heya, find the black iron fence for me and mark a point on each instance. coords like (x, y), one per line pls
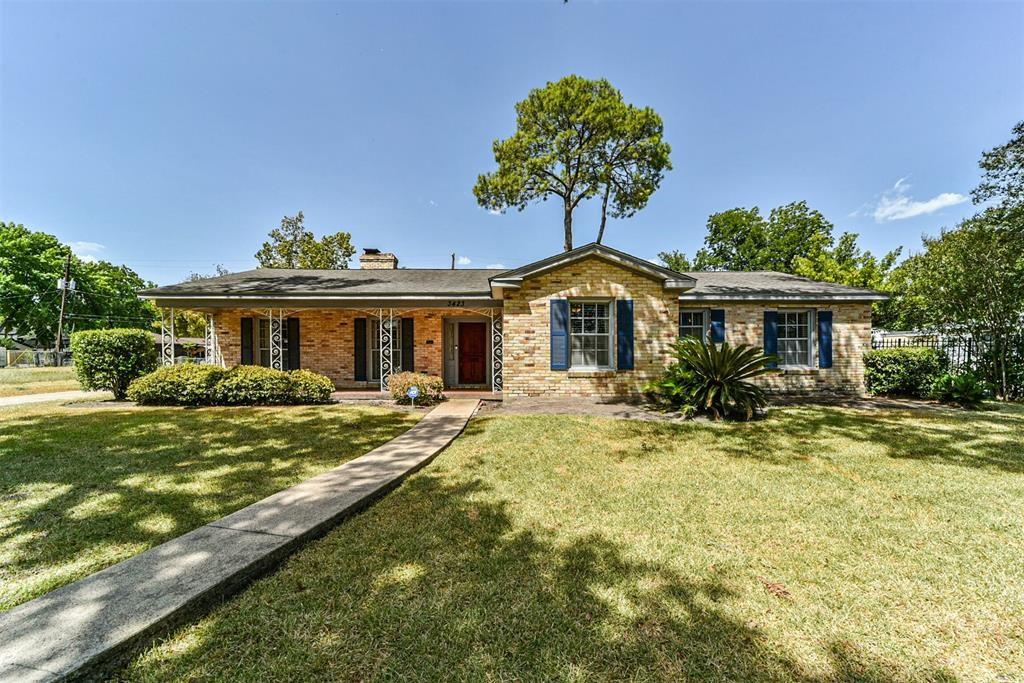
(963, 354)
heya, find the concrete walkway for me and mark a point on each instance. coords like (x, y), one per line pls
(52, 396)
(81, 628)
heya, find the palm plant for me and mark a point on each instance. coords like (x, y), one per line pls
(715, 378)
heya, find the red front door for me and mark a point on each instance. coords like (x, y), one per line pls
(472, 353)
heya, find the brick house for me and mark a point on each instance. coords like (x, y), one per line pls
(593, 321)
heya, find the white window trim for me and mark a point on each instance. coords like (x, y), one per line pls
(612, 335)
(705, 317)
(812, 339)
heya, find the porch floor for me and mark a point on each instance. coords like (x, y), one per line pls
(364, 395)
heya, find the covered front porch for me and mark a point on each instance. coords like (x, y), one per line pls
(357, 347)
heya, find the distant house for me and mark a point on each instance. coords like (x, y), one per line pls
(593, 321)
(184, 347)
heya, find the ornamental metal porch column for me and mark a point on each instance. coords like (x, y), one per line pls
(386, 330)
(497, 352)
(213, 356)
(166, 336)
(276, 350)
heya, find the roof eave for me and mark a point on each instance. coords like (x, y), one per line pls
(768, 296)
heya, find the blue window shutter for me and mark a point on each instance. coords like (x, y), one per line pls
(559, 334)
(624, 333)
(717, 325)
(824, 339)
(771, 336)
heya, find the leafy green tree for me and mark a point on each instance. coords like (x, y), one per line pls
(30, 264)
(1003, 173)
(793, 239)
(634, 159)
(847, 264)
(971, 280)
(742, 239)
(676, 260)
(576, 138)
(190, 323)
(292, 245)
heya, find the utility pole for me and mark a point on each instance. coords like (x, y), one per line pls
(64, 285)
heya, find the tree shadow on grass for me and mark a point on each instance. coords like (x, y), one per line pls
(80, 491)
(986, 440)
(439, 582)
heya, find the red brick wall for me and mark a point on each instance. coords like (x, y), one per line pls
(327, 343)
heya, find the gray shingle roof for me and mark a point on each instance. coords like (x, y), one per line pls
(356, 283)
(475, 282)
(767, 284)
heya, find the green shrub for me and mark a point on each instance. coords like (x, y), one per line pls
(431, 387)
(178, 385)
(249, 385)
(907, 371)
(111, 359)
(965, 390)
(713, 379)
(246, 385)
(310, 387)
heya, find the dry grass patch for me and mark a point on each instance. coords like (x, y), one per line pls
(24, 381)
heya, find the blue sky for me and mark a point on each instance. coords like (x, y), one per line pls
(173, 136)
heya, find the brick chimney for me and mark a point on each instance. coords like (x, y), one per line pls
(374, 259)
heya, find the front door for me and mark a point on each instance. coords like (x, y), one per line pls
(472, 353)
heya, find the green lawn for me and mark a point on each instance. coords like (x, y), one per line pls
(819, 544)
(82, 488)
(21, 381)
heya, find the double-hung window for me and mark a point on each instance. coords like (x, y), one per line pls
(794, 341)
(590, 334)
(373, 331)
(693, 323)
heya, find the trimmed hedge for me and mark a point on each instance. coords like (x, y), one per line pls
(111, 359)
(244, 385)
(909, 371)
(431, 387)
(310, 387)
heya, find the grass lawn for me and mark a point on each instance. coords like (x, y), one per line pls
(82, 488)
(820, 544)
(21, 381)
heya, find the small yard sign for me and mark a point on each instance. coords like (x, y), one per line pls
(413, 393)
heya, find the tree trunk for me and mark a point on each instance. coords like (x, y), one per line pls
(604, 212)
(568, 226)
(1002, 368)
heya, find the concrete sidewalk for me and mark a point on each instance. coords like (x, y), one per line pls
(52, 396)
(80, 628)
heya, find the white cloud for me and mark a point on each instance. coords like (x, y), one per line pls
(496, 265)
(85, 258)
(81, 248)
(431, 202)
(896, 205)
(494, 212)
(463, 261)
